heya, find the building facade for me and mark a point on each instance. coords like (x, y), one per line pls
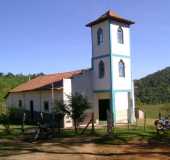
(107, 84)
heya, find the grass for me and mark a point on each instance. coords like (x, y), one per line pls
(123, 144)
(15, 131)
(152, 111)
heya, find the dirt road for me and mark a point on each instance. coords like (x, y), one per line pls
(81, 149)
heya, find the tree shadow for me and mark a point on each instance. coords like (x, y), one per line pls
(66, 145)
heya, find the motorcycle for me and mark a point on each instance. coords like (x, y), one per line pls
(162, 124)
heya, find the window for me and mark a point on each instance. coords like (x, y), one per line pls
(120, 35)
(32, 109)
(46, 106)
(101, 69)
(99, 36)
(121, 69)
(20, 103)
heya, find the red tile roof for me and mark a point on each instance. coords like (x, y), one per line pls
(42, 81)
(110, 15)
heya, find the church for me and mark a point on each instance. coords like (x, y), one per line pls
(107, 84)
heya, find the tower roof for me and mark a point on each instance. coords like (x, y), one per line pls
(112, 16)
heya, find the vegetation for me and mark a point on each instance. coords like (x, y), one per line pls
(9, 81)
(154, 88)
(152, 111)
(78, 105)
(60, 109)
(4, 120)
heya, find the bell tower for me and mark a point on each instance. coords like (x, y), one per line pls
(111, 67)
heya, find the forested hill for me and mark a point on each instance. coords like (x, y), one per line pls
(154, 88)
(9, 81)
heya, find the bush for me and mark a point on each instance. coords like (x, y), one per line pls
(4, 120)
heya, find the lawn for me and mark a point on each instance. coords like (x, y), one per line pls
(152, 111)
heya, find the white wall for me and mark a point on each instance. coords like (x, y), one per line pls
(83, 84)
(105, 47)
(121, 106)
(121, 83)
(37, 96)
(117, 48)
(67, 91)
(101, 83)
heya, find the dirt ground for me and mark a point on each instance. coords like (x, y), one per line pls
(81, 148)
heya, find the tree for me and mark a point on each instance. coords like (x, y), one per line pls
(60, 110)
(78, 104)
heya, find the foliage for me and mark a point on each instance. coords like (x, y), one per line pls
(4, 120)
(154, 88)
(60, 108)
(15, 115)
(78, 104)
(9, 81)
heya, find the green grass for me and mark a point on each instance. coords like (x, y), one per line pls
(15, 131)
(120, 135)
(152, 111)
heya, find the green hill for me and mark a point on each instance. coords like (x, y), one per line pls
(9, 81)
(154, 88)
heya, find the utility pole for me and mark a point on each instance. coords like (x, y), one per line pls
(52, 94)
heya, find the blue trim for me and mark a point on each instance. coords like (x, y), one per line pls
(122, 90)
(111, 80)
(102, 90)
(121, 56)
(92, 64)
(101, 56)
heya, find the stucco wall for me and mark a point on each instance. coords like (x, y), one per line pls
(83, 84)
(121, 83)
(121, 106)
(104, 48)
(38, 97)
(67, 91)
(101, 83)
(117, 48)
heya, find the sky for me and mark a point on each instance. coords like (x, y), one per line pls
(50, 35)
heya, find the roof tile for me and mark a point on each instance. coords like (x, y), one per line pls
(44, 80)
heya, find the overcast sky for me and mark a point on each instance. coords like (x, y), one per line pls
(50, 35)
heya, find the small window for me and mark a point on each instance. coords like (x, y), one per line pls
(20, 103)
(101, 69)
(99, 36)
(121, 68)
(46, 106)
(120, 35)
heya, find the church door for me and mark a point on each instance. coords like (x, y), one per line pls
(104, 105)
(32, 109)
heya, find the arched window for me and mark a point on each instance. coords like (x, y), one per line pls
(99, 36)
(121, 68)
(101, 69)
(120, 35)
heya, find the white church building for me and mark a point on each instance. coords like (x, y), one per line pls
(107, 84)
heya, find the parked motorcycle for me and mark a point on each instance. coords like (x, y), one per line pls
(162, 124)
